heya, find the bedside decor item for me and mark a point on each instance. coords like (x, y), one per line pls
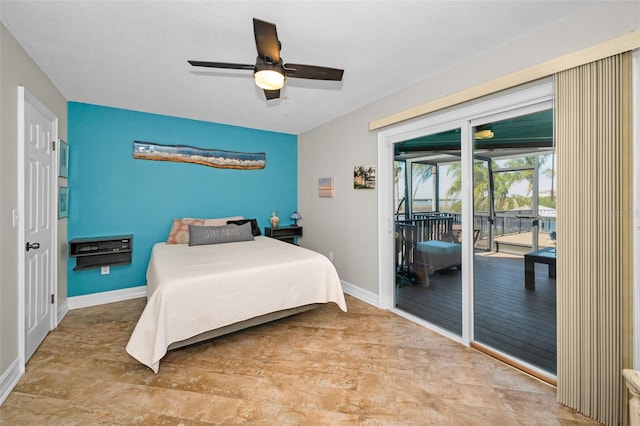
(325, 187)
(207, 157)
(63, 202)
(274, 219)
(295, 217)
(364, 177)
(63, 159)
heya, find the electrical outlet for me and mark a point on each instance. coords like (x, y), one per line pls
(104, 270)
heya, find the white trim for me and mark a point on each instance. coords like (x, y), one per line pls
(10, 378)
(62, 310)
(466, 162)
(54, 229)
(385, 223)
(21, 230)
(359, 293)
(636, 207)
(533, 97)
(95, 299)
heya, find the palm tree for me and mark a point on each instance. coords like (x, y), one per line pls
(420, 173)
(398, 169)
(502, 199)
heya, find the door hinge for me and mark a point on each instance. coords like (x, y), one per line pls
(53, 299)
(53, 145)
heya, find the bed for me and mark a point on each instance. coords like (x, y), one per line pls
(203, 291)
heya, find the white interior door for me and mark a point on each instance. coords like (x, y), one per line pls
(40, 130)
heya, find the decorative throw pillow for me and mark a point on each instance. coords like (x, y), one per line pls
(221, 221)
(179, 233)
(201, 235)
(255, 229)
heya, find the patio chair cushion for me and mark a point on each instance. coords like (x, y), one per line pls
(438, 247)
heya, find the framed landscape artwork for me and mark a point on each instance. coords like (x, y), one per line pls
(325, 187)
(63, 169)
(63, 202)
(364, 177)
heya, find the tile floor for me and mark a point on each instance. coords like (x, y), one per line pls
(323, 367)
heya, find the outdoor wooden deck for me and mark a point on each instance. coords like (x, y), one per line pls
(519, 322)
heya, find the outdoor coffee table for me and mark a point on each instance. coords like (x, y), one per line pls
(545, 255)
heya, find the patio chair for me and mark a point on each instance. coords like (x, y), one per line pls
(434, 255)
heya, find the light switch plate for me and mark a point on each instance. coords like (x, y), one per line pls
(15, 217)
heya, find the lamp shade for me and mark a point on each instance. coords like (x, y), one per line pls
(295, 216)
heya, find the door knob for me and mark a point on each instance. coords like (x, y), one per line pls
(34, 246)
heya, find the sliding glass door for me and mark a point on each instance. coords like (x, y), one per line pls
(428, 231)
(515, 309)
(473, 234)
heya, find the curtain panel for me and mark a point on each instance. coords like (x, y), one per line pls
(594, 236)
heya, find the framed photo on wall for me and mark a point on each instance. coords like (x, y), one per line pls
(326, 187)
(63, 162)
(364, 177)
(63, 202)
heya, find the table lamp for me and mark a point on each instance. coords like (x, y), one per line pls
(295, 217)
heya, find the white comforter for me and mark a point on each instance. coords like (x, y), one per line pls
(195, 289)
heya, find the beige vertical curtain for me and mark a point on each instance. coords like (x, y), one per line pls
(594, 272)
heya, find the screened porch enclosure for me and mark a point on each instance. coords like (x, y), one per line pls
(514, 200)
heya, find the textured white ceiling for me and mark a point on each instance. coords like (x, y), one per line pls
(133, 54)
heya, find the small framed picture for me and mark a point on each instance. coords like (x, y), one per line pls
(63, 168)
(63, 202)
(326, 187)
(364, 177)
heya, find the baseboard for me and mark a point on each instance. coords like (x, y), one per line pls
(10, 379)
(62, 311)
(359, 293)
(95, 299)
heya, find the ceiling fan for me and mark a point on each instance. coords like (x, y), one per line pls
(269, 71)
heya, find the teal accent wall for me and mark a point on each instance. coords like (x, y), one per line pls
(111, 193)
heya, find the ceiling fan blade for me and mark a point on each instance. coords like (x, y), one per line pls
(272, 94)
(226, 65)
(313, 72)
(267, 41)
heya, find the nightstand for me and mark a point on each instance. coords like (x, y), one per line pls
(284, 233)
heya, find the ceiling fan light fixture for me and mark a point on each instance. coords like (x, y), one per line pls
(269, 78)
(269, 72)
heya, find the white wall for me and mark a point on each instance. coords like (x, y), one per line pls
(18, 69)
(347, 225)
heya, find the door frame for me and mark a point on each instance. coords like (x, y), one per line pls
(25, 97)
(465, 117)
